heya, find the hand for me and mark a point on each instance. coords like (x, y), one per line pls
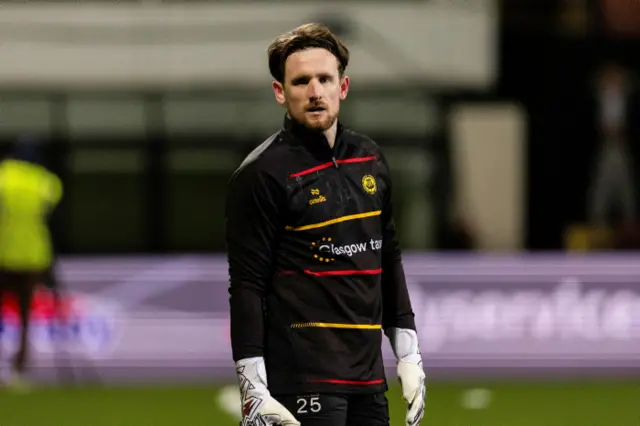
(259, 408)
(270, 412)
(410, 372)
(414, 390)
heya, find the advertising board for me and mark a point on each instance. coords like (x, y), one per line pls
(133, 318)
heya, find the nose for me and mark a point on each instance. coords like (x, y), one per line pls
(315, 89)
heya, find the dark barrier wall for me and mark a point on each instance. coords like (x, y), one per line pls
(128, 196)
(147, 172)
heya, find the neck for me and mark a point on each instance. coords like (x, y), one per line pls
(330, 134)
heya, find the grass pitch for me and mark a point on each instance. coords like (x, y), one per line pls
(448, 404)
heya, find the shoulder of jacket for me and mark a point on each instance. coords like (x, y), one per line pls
(365, 142)
(263, 158)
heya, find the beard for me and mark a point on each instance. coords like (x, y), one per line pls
(316, 122)
(321, 123)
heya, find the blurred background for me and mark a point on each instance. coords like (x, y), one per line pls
(512, 128)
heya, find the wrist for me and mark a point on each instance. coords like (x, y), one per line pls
(404, 343)
(252, 375)
(412, 359)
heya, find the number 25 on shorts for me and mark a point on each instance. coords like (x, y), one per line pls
(308, 404)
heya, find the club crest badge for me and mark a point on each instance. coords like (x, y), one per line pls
(369, 184)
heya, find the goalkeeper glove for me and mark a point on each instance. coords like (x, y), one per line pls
(259, 408)
(410, 372)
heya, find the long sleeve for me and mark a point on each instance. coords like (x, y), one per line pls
(252, 227)
(397, 311)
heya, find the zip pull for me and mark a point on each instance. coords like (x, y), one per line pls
(335, 163)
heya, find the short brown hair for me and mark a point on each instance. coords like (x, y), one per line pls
(307, 36)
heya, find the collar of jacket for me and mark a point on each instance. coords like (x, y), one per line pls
(315, 141)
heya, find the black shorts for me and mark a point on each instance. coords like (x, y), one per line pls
(338, 409)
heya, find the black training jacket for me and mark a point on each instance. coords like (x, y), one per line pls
(314, 263)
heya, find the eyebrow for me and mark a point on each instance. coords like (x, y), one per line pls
(304, 77)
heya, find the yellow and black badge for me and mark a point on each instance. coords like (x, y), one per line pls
(369, 184)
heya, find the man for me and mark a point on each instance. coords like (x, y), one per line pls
(613, 188)
(315, 267)
(28, 193)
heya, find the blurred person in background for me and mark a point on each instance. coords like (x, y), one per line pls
(619, 18)
(28, 194)
(314, 262)
(613, 190)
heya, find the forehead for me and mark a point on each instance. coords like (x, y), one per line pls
(311, 62)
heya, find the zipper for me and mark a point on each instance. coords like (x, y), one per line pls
(343, 187)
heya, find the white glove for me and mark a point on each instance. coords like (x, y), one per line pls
(259, 408)
(410, 372)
